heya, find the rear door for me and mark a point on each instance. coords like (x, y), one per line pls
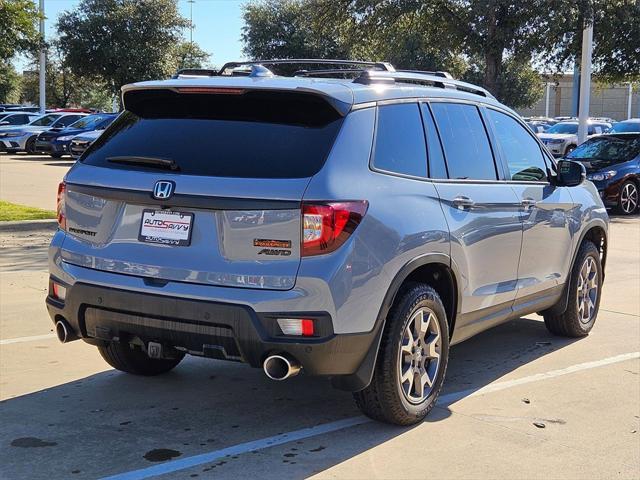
(545, 211)
(201, 188)
(483, 217)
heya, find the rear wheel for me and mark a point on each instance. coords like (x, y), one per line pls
(131, 359)
(55, 155)
(585, 287)
(628, 202)
(412, 360)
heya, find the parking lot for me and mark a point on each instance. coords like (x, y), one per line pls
(516, 398)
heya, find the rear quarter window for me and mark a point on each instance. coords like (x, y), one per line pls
(250, 135)
(400, 145)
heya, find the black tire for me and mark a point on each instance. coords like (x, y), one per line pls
(30, 146)
(55, 155)
(629, 204)
(384, 398)
(130, 359)
(569, 323)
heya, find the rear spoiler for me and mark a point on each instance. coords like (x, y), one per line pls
(337, 96)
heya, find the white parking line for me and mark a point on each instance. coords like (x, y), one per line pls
(196, 460)
(27, 339)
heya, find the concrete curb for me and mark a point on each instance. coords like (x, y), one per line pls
(29, 225)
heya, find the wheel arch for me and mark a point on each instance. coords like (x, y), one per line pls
(596, 232)
(435, 269)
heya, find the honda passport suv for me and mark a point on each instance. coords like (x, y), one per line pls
(351, 222)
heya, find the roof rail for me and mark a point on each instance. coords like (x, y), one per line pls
(438, 73)
(382, 66)
(368, 77)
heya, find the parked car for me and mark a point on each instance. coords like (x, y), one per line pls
(537, 126)
(57, 141)
(15, 119)
(24, 138)
(23, 108)
(332, 227)
(4, 106)
(562, 138)
(81, 142)
(613, 165)
(627, 126)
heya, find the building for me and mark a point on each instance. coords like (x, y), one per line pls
(606, 101)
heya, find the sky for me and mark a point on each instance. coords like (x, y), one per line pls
(218, 26)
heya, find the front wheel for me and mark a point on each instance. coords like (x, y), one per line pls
(30, 146)
(412, 359)
(585, 288)
(55, 155)
(131, 359)
(628, 202)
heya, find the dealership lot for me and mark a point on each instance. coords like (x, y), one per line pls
(517, 400)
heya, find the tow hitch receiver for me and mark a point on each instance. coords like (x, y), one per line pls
(154, 350)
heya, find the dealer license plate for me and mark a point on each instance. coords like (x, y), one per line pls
(166, 227)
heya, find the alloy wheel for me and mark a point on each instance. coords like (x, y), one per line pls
(419, 354)
(587, 290)
(629, 198)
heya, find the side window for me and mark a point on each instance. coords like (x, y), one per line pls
(522, 152)
(437, 167)
(16, 119)
(399, 143)
(465, 141)
(67, 120)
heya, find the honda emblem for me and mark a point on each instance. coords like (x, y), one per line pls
(163, 189)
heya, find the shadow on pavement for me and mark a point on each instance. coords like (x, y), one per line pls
(106, 423)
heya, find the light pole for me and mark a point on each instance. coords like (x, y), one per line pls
(546, 103)
(585, 81)
(191, 2)
(43, 59)
(629, 100)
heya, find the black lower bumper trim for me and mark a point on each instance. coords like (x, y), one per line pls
(219, 330)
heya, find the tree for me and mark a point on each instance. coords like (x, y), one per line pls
(9, 83)
(189, 55)
(121, 41)
(490, 42)
(18, 24)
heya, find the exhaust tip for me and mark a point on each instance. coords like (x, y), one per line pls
(64, 332)
(278, 367)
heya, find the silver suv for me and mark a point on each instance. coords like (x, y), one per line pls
(352, 228)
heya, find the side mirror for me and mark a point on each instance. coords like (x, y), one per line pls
(571, 174)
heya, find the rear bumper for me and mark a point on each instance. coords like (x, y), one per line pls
(212, 329)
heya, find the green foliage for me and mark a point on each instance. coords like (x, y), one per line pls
(9, 83)
(491, 42)
(121, 41)
(19, 27)
(189, 55)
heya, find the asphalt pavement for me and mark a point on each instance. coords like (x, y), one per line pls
(518, 402)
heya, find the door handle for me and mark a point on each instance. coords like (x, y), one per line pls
(528, 203)
(463, 202)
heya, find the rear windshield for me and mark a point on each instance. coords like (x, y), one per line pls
(249, 134)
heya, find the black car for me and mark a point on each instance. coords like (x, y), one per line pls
(57, 141)
(613, 165)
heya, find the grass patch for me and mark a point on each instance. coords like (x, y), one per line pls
(10, 212)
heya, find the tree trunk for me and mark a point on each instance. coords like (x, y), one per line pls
(493, 52)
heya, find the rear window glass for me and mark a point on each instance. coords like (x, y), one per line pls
(465, 141)
(248, 135)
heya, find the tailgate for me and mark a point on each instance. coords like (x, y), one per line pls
(200, 188)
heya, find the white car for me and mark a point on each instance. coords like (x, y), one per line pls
(562, 138)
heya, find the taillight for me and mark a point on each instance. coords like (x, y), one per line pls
(327, 225)
(62, 220)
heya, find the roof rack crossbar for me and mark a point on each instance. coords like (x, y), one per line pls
(327, 71)
(382, 66)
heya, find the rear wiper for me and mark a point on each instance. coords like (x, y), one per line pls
(153, 162)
